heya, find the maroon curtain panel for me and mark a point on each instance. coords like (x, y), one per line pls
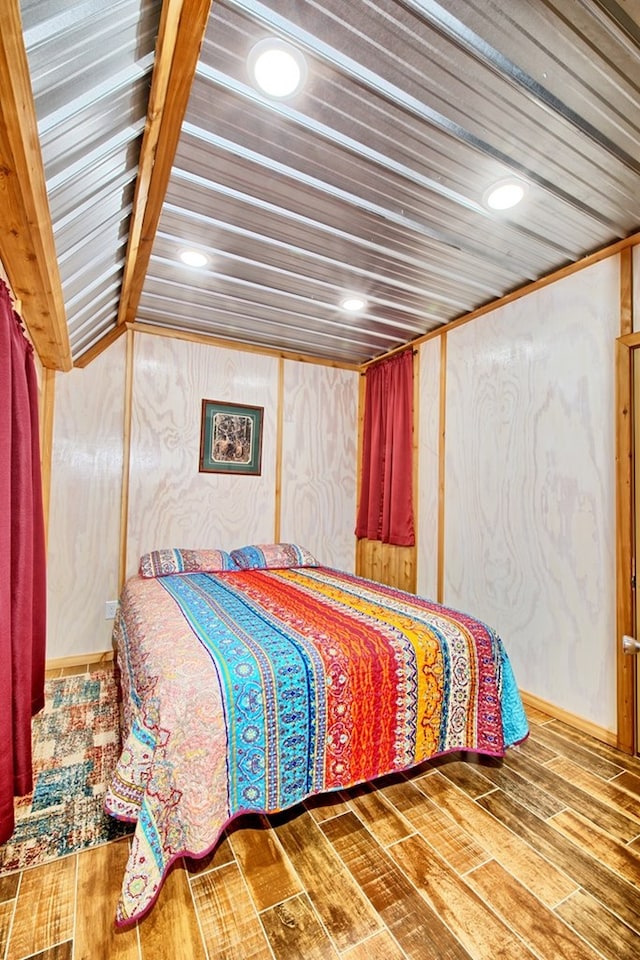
(22, 562)
(385, 511)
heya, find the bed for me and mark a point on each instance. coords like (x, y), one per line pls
(254, 680)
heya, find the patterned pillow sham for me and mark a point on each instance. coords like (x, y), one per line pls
(270, 556)
(162, 563)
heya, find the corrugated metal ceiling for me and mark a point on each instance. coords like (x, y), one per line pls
(370, 180)
(90, 65)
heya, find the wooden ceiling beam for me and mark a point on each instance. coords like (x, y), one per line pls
(27, 247)
(182, 28)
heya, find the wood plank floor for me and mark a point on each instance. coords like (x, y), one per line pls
(534, 856)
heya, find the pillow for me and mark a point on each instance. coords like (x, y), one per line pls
(270, 556)
(161, 563)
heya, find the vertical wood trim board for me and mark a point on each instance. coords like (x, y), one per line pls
(625, 665)
(126, 458)
(441, 468)
(47, 400)
(626, 291)
(361, 392)
(279, 430)
(415, 459)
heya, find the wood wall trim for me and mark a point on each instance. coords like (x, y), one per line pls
(441, 466)
(279, 434)
(415, 460)
(625, 509)
(27, 246)
(362, 387)
(625, 665)
(626, 292)
(211, 341)
(47, 402)
(579, 723)
(181, 32)
(126, 459)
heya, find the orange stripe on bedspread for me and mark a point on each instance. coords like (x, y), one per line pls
(428, 655)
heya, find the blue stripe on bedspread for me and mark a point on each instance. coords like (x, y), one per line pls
(246, 650)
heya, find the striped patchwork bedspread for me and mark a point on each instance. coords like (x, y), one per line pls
(251, 690)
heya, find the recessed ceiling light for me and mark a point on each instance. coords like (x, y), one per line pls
(504, 194)
(278, 68)
(193, 258)
(353, 304)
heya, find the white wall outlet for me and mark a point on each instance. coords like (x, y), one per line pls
(110, 608)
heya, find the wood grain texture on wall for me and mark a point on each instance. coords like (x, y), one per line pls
(84, 513)
(530, 512)
(319, 461)
(171, 504)
(428, 450)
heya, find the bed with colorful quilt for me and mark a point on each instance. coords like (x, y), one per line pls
(256, 679)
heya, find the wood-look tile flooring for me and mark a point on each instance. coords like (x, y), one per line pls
(534, 856)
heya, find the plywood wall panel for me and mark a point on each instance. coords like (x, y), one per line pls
(529, 516)
(84, 519)
(171, 504)
(428, 461)
(319, 446)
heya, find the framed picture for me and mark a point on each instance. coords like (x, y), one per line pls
(230, 438)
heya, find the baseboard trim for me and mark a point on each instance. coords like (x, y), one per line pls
(585, 726)
(103, 656)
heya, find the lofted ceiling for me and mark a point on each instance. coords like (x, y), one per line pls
(130, 130)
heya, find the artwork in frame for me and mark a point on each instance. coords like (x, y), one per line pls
(230, 438)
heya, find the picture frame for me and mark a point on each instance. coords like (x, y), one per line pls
(231, 438)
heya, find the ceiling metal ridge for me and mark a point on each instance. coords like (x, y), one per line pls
(58, 23)
(111, 289)
(359, 149)
(138, 326)
(354, 270)
(330, 134)
(608, 13)
(235, 258)
(322, 186)
(107, 148)
(358, 203)
(387, 252)
(122, 80)
(288, 295)
(344, 64)
(76, 213)
(286, 330)
(448, 24)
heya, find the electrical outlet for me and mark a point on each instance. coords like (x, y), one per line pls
(110, 608)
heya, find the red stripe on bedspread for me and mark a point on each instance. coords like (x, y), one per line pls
(361, 690)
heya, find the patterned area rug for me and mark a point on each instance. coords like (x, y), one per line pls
(76, 743)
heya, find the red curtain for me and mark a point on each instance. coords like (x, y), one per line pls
(22, 562)
(385, 511)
